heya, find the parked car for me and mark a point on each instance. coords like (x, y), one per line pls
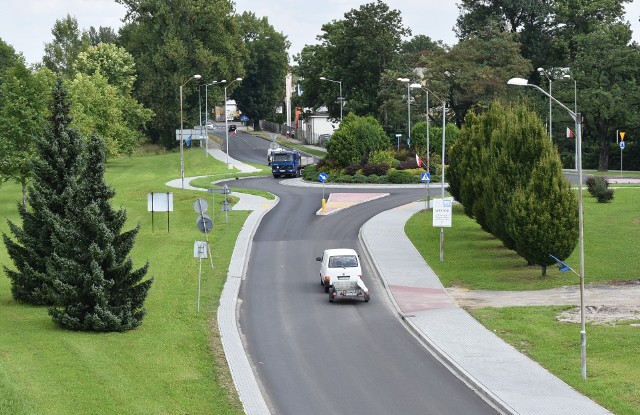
(341, 274)
(232, 128)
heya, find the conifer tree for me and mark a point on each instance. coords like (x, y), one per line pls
(97, 287)
(55, 172)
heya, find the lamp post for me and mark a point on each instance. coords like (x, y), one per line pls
(427, 90)
(226, 119)
(340, 99)
(181, 130)
(575, 105)
(406, 80)
(546, 74)
(444, 120)
(577, 118)
(206, 111)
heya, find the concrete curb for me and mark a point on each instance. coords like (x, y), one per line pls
(242, 373)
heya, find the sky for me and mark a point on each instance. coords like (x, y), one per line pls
(27, 24)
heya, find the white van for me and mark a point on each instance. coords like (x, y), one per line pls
(341, 274)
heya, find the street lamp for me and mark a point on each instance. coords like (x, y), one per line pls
(181, 130)
(427, 90)
(226, 119)
(340, 99)
(575, 105)
(206, 111)
(546, 74)
(406, 80)
(577, 118)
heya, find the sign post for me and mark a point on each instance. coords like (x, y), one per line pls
(323, 178)
(426, 178)
(621, 148)
(442, 213)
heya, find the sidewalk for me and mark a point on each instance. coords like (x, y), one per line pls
(505, 376)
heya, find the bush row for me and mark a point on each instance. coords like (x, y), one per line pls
(370, 173)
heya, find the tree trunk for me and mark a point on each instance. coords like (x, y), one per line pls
(603, 160)
(544, 270)
(256, 125)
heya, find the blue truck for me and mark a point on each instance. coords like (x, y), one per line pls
(288, 163)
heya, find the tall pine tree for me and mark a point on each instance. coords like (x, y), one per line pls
(53, 189)
(98, 289)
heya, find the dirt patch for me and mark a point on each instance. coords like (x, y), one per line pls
(604, 303)
(609, 315)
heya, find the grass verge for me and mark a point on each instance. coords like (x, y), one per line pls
(173, 363)
(476, 260)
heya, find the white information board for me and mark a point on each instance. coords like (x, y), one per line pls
(442, 212)
(159, 202)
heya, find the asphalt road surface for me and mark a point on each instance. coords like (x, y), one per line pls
(348, 357)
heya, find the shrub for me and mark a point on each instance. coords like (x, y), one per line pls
(310, 173)
(404, 154)
(407, 164)
(598, 187)
(352, 169)
(359, 178)
(373, 179)
(402, 176)
(378, 169)
(382, 157)
(343, 178)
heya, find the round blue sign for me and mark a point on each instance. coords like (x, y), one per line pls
(621, 145)
(322, 177)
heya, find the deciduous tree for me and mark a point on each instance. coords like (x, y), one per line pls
(24, 99)
(262, 87)
(356, 138)
(171, 42)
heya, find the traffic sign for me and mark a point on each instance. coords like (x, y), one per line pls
(200, 206)
(425, 177)
(622, 133)
(621, 145)
(205, 224)
(323, 177)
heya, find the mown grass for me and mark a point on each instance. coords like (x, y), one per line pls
(475, 260)
(173, 363)
(613, 378)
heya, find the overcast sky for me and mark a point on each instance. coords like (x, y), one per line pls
(27, 24)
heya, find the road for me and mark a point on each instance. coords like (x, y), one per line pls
(315, 357)
(242, 146)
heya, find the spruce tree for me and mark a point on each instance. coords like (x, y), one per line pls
(56, 167)
(97, 287)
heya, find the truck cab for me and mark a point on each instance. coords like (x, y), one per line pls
(286, 163)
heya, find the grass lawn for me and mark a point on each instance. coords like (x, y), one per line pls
(173, 363)
(475, 260)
